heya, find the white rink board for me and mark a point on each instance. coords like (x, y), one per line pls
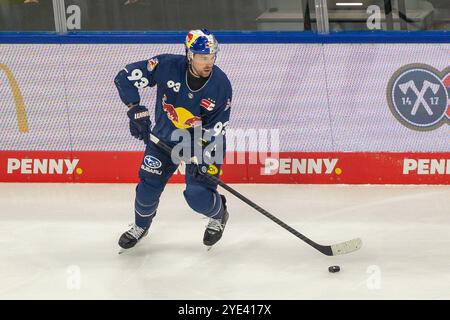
(319, 97)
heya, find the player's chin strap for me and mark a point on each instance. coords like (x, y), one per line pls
(329, 250)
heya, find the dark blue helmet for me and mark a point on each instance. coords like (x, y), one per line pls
(201, 42)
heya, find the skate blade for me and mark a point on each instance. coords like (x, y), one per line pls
(122, 250)
(208, 248)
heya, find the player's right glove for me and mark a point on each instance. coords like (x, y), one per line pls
(139, 122)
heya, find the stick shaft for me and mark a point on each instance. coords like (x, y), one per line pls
(324, 249)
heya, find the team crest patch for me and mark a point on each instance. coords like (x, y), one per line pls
(418, 96)
(208, 104)
(152, 63)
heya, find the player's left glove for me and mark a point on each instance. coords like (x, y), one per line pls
(195, 168)
(202, 169)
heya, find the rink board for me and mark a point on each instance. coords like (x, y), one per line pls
(286, 167)
(58, 101)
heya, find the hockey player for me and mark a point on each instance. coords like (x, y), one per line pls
(192, 93)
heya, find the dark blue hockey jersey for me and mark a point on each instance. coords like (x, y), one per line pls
(177, 106)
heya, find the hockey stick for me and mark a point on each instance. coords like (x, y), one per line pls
(331, 250)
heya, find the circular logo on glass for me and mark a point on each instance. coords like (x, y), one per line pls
(418, 96)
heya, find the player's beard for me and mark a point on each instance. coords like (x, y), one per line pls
(204, 72)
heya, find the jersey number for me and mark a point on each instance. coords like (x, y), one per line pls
(219, 128)
(139, 81)
(173, 85)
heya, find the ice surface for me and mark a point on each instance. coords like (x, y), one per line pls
(59, 241)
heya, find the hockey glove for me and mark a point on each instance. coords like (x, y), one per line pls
(139, 122)
(201, 169)
(195, 168)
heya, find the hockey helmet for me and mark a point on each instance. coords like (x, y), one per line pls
(201, 42)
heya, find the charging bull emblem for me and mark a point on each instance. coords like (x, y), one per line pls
(180, 117)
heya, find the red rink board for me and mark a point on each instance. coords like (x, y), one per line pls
(288, 167)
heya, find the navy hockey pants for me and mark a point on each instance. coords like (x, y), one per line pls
(156, 169)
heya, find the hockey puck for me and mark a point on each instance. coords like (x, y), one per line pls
(334, 269)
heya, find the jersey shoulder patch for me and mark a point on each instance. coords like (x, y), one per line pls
(166, 61)
(208, 104)
(152, 63)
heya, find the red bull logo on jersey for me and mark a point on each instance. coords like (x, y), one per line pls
(180, 117)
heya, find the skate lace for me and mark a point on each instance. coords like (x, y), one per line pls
(136, 231)
(215, 224)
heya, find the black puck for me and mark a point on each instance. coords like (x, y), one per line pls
(334, 269)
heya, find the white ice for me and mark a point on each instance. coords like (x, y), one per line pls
(59, 241)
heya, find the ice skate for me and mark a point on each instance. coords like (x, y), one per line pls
(131, 237)
(215, 227)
